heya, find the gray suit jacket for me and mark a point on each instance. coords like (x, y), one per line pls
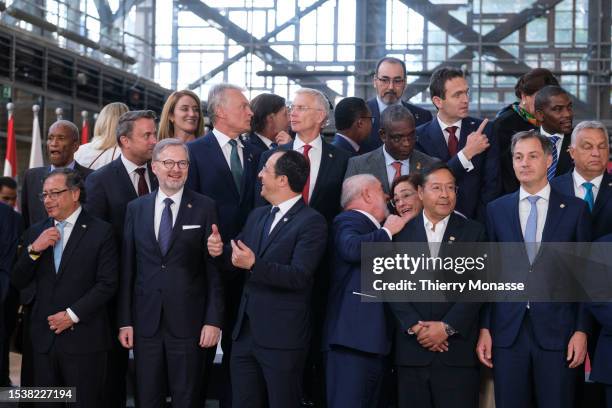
(374, 163)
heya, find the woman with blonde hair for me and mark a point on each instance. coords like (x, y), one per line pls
(103, 147)
(182, 117)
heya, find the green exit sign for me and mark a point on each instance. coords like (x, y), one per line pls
(6, 92)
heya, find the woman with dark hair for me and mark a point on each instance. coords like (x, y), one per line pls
(517, 117)
(269, 122)
(405, 199)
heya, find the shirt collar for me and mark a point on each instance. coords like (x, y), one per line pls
(69, 166)
(443, 125)
(545, 133)
(350, 141)
(176, 197)
(578, 179)
(543, 193)
(264, 139)
(389, 159)
(317, 143)
(129, 165)
(224, 139)
(286, 205)
(429, 225)
(370, 217)
(72, 219)
(382, 106)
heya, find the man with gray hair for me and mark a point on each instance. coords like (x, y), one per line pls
(396, 157)
(590, 181)
(225, 169)
(357, 335)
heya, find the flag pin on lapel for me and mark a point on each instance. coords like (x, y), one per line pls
(189, 205)
(451, 238)
(83, 225)
(418, 165)
(285, 220)
(331, 155)
(562, 205)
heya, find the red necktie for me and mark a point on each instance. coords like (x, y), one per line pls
(143, 188)
(306, 189)
(453, 143)
(398, 169)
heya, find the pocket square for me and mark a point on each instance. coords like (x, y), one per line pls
(188, 227)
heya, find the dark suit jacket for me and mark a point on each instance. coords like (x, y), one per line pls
(602, 210)
(325, 196)
(109, 190)
(277, 292)
(210, 175)
(567, 220)
(9, 236)
(85, 283)
(183, 285)
(421, 116)
(462, 317)
(341, 143)
(374, 163)
(476, 187)
(350, 322)
(256, 142)
(32, 208)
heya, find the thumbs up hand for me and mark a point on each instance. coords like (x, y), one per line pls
(214, 243)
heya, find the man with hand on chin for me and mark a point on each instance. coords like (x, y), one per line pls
(170, 294)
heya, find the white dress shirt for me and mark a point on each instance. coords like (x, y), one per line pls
(389, 160)
(283, 208)
(375, 222)
(580, 191)
(68, 227)
(226, 147)
(350, 141)
(467, 164)
(559, 142)
(160, 205)
(131, 167)
(541, 205)
(435, 233)
(264, 139)
(315, 158)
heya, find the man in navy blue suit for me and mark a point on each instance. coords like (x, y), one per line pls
(353, 124)
(462, 142)
(590, 181)
(269, 123)
(170, 294)
(278, 251)
(225, 169)
(390, 83)
(534, 348)
(357, 335)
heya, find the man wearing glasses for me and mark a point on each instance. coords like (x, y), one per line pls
(390, 84)
(170, 297)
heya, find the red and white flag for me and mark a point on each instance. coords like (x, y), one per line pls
(10, 161)
(85, 129)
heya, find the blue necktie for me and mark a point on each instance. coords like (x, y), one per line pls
(59, 246)
(235, 165)
(555, 157)
(273, 145)
(165, 226)
(267, 228)
(531, 229)
(588, 196)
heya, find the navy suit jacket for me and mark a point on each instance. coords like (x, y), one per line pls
(476, 187)
(341, 143)
(350, 322)
(602, 210)
(325, 197)
(567, 220)
(109, 190)
(210, 175)
(256, 142)
(278, 289)
(373, 142)
(462, 317)
(183, 284)
(9, 236)
(85, 283)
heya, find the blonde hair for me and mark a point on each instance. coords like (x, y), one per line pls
(166, 127)
(107, 123)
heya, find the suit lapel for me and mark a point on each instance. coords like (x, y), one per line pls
(248, 167)
(554, 214)
(379, 168)
(124, 181)
(436, 137)
(605, 191)
(218, 161)
(468, 125)
(149, 215)
(565, 160)
(280, 225)
(78, 231)
(516, 220)
(184, 213)
(152, 177)
(327, 158)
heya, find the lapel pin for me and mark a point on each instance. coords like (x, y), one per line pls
(472, 123)
(418, 165)
(188, 205)
(562, 205)
(609, 184)
(285, 220)
(331, 155)
(451, 238)
(83, 225)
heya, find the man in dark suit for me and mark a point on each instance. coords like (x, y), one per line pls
(170, 294)
(434, 342)
(109, 190)
(590, 181)
(357, 334)
(534, 348)
(397, 156)
(390, 83)
(554, 110)
(269, 123)
(9, 229)
(278, 250)
(353, 124)
(461, 141)
(224, 169)
(72, 259)
(62, 142)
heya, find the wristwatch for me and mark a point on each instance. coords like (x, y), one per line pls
(449, 330)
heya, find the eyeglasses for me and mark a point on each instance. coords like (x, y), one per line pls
(368, 117)
(169, 164)
(402, 197)
(53, 195)
(438, 189)
(387, 80)
(300, 108)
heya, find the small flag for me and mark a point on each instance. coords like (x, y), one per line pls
(85, 130)
(10, 161)
(36, 157)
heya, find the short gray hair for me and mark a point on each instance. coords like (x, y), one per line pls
(395, 113)
(353, 186)
(532, 134)
(125, 125)
(216, 98)
(589, 124)
(74, 130)
(165, 143)
(320, 98)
